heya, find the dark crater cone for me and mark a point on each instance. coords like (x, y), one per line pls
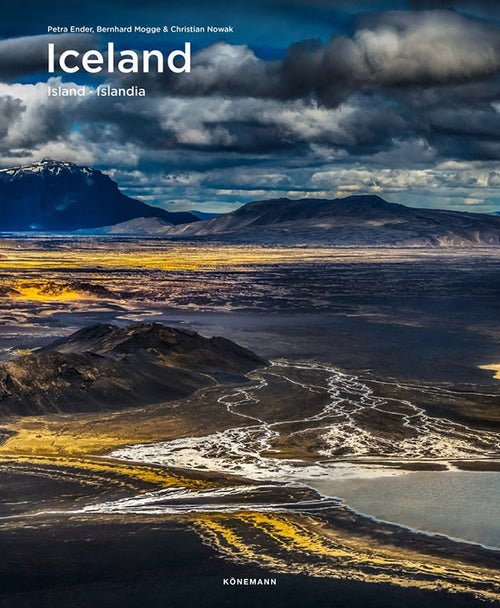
(106, 367)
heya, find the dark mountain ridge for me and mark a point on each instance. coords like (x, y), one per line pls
(360, 220)
(106, 367)
(61, 196)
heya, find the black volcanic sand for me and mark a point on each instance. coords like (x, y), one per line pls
(30, 492)
(27, 489)
(77, 564)
(392, 343)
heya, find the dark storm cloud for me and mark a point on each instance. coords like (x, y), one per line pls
(246, 126)
(490, 6)
(479, 94)
(28, 55)
(458, 120)
(427, 47)
(466, 121)
(391, 49)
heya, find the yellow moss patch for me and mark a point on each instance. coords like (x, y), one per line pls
(142, 254)
(83, 434)
(97, 471)
(494, 367)
(45, 291)
(77, 441)
(300, 544)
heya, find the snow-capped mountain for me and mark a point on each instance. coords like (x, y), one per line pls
(45, 167)
(61, 196)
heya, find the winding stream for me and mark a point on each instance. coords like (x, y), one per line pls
(437, 502)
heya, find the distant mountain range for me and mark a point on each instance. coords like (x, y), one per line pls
(352, 221)
(61, 196)
(57, 196)
(108, 367)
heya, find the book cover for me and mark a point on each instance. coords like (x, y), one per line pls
(249, 303)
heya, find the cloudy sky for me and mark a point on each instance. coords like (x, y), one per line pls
(316, 98)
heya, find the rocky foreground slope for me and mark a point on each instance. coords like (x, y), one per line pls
(108, 367)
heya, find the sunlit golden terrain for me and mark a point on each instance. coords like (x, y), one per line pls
(494, 367)
(294, 543)
(44, 291)
(153, 254)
